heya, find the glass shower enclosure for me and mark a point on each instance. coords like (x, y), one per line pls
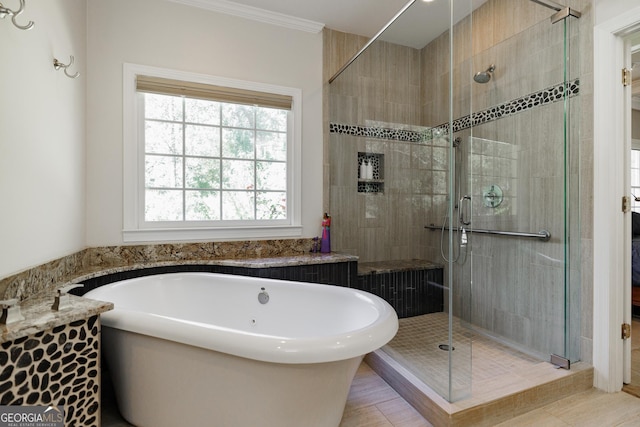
(466, 113)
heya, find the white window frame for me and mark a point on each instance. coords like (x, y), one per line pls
(136, 229)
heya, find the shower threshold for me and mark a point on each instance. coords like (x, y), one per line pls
(504, 382)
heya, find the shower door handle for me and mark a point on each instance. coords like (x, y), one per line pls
(461, 210)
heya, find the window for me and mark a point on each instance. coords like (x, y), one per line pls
(207, 157)
(211, 161)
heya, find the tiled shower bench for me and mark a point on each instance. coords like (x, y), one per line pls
(412, 287)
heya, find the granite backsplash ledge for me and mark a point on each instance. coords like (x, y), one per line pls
(34, 280)
(47, 276)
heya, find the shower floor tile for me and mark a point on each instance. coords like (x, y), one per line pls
(498, 370)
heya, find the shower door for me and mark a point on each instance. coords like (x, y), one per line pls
(477, 177)
(519, 205)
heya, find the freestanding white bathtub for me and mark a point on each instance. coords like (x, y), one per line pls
(201, 349)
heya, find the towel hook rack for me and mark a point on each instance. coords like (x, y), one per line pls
(58, 65)
(4, 11)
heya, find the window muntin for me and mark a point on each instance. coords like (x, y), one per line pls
(199, 88)
(213, 161)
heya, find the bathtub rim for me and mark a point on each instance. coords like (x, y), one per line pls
(261, 347)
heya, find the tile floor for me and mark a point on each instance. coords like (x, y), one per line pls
(498, 370)
(373, 403)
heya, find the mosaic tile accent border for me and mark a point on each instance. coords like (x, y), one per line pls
(380, 133)
(509, 108)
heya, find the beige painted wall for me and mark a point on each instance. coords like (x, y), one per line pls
(42, 136)
(169, 35)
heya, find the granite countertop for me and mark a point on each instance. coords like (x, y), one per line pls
(311, 258)
(38, 315)
(285, 261)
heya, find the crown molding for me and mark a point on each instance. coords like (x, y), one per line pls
(255, 14)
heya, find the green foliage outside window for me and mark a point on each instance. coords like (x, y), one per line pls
(213, 161)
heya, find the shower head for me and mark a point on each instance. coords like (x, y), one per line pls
(484, 76)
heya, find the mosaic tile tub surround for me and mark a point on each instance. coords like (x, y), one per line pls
(52, 358)
(55, 367)
(412, 287)
(342, 272)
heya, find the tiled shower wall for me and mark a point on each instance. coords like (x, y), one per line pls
(380, 91)
(521, 289)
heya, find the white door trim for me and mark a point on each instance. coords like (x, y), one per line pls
(609, 224)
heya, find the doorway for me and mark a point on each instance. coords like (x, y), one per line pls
(612, 261)
(632, 378)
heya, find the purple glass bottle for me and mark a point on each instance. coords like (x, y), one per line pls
(325, 242)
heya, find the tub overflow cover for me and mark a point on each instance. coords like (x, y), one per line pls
(263, 296)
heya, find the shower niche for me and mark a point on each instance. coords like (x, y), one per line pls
(370, 172)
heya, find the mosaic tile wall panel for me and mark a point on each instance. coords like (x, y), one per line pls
(509, 108)
(410, 292)
(341, 274)
(59, 366)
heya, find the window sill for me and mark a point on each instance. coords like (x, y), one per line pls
(194, 234)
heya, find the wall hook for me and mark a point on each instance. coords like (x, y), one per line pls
(57, 65)
(4, 11)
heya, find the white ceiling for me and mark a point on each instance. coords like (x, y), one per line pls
(424, 21)
(363, 17)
